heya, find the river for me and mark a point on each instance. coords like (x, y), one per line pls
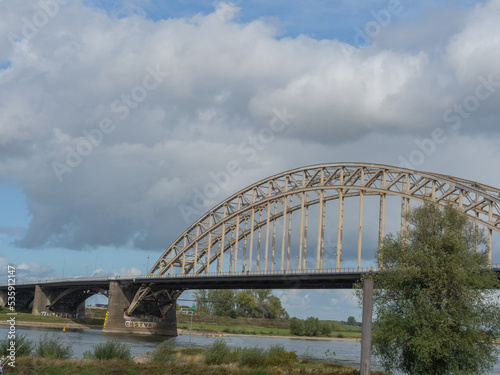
(346, 352)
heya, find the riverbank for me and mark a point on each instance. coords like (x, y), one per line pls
(54, 325)
(202, 325)
(73, 325)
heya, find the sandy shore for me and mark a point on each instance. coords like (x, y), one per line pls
(53, 325)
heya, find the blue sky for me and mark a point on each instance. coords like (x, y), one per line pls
(356, 98)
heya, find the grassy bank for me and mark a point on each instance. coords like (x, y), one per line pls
(26, 317)
(219, 359)
(40, 366)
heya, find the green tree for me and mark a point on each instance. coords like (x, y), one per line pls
(351, 321)
(223, 301)
(326, 328)
(203, 305)
(262, 295)
(336, 325)
(275, 310)
(312, 326)
(297, 327)
(434, 299)
(246, 304)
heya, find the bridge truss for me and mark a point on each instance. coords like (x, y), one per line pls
(242, 231)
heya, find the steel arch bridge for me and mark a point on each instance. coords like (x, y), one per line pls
(243, 228)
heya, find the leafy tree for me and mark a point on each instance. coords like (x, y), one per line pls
(275, 308)
(223, 301)
(203, 305)
(262, 295)
(436, 309)
(326, 328)
(247, 303)
(312, 327)
(336, 325)
(297, 327)
(351, 321)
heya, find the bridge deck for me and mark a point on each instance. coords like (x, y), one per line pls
(309, 279)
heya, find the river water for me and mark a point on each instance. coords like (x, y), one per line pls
(346, 352)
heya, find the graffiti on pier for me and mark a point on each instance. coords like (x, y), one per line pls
(139, 324)
(57, 315)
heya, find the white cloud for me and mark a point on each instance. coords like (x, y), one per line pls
(224, 80)
(29, 271)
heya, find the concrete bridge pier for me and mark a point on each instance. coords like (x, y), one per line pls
(3, 298)
(147, 320)
(41, 301)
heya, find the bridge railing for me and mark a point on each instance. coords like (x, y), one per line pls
(213, 274)
(144, 278)
(271, 273)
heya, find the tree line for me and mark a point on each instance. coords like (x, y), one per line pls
(248, 303)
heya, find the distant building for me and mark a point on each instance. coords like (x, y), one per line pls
(185, 309)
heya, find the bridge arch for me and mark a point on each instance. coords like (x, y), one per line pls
(236, 219)
(73, 297)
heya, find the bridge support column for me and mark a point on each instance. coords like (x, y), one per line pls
(41, 301)
(80, 311)
(3, 298)
(366, 333)
(120, 297)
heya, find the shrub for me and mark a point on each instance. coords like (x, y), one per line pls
(234, 355)
(165, 352)
(253, 357)
(191, 351)
(307, 356)
(226, 330)
(108, 350)
(218, 353)
(257, 371)
(52, 347)
(340, 335)
(277, 355)
(330, 356)
(23, 345)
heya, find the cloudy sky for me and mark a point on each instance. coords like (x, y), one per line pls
(113, 114)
